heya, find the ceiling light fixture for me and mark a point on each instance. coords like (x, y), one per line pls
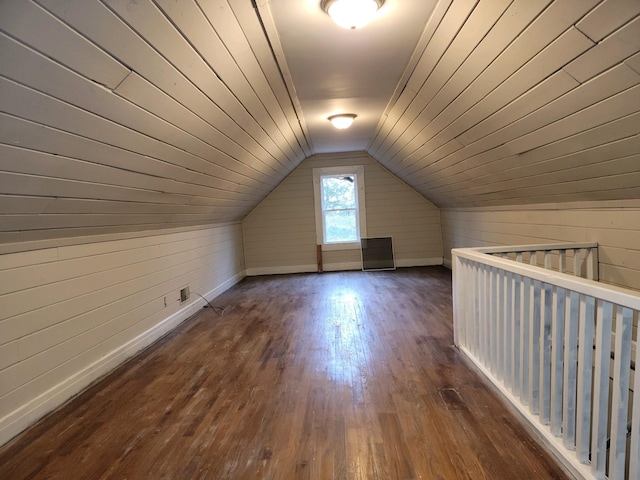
(342, 121)
(351, 14)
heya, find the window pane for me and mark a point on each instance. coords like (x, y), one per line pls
(338, 192)
(340, 226)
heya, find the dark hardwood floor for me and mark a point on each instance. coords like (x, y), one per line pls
(336, 376)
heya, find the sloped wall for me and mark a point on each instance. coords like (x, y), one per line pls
(280, 237)
(615, 226)
(70, 314)
(123, 116)
(519, 102)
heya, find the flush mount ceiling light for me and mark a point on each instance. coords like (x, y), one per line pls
(351, 13)
(342, 121)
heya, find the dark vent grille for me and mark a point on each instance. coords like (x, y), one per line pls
(377, 253)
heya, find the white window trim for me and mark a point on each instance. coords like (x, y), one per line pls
(358, 171)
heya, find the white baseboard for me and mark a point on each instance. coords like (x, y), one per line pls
(447, 263)
(20, 419)
(418, 262)
(252, 272)
(328, 267)
(336, 267)
(340, 267)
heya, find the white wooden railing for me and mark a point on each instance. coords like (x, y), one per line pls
(559, 347)
(579, 259)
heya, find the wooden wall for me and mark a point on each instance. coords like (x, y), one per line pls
(519, 102)
(122, 116)
(70, 314)
(615, 226)
(279, 235)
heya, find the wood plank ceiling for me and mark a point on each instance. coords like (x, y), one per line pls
(122, 115)
(526, 102)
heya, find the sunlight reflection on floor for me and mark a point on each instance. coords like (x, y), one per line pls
(344, 325)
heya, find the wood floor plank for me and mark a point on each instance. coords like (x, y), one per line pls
(348, 375)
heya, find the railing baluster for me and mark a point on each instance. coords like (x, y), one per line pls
(592, 264)
(546, 369)
(601, 389)
(620, 393)
(476, 310)
(467, 293)
(458, 278)
(557, 359)
(501, 324)
(487, 317)
(534, 349)
(562, 261)
(548, 339)
(572, 313)
(479, 331)
(508, 334)
(468, 321)
(483, 327)
(577, 270)
(585, 365)
(517, 338)
(525, 341)
(472, 334)
(493, 320)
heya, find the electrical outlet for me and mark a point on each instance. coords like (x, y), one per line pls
(184, 294)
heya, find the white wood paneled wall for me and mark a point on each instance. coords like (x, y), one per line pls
(127, 116)
(519, 102)
(70, 314)
(615, 229)
(280, 236)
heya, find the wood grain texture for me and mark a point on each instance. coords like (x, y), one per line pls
(70, 314)
(193, 120)
(616, 230)
(339, 376)
(544, 82)
(162, 114)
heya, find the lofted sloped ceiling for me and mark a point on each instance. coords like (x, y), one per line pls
(520, 102)
(129, 115)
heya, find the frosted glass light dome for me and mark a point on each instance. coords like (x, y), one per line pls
(342, 121)
(352, 14)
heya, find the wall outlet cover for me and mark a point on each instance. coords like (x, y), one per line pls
(184, 294)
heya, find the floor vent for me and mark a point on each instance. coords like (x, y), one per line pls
(377, 253)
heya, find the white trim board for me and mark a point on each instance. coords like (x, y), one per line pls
(335, 267)
(20, 419)
(283, 270)
(418, 262)
(341, 267)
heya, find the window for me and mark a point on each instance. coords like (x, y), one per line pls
(339, 208)
(339, 199)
